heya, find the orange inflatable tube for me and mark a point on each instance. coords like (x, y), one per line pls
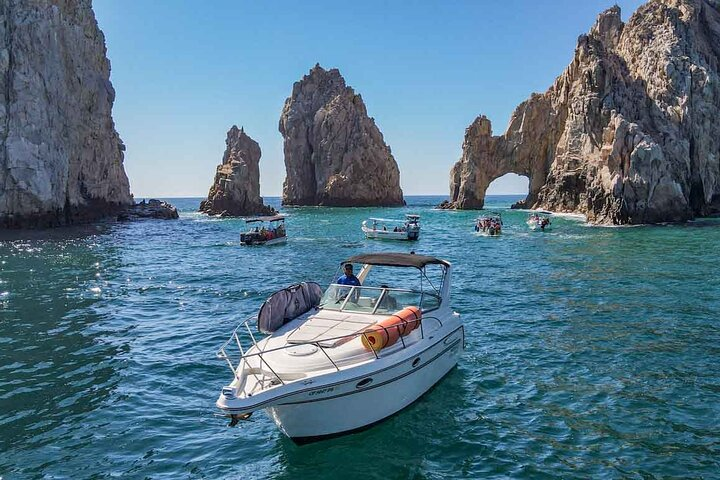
(387, 332)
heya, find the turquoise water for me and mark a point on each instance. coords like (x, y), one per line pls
(591, 352)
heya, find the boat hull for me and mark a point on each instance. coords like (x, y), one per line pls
(537, 228)
(324, 412)
(390, 235)
(274, 241)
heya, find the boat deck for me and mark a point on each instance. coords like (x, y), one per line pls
(317, 343)
(327, 327)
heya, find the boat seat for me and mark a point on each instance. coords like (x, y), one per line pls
(329, 325)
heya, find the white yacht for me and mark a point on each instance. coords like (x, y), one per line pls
(340, 361)
(384, 229)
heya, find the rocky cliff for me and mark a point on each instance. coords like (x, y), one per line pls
(335, 155)
(61, 160)
(236, 189)
(629, 133)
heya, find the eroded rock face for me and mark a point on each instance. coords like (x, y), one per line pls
(334, 153)
(236, 189)
(153, 208)
(629, 133)
(61, 160)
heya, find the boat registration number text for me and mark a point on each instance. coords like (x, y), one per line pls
(321, 391)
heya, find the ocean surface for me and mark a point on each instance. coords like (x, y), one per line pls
(591, 352)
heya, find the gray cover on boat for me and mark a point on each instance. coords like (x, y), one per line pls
(288, 304)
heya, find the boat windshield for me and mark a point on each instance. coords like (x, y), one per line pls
(376, 300)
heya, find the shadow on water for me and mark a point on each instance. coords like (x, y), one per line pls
(406, 445)
(59, 234)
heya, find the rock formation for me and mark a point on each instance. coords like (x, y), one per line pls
(236, 189)
(151, 209)
(334, 153)
(629, 133)
(61, 160)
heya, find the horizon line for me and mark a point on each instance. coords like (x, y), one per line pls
(280, 196)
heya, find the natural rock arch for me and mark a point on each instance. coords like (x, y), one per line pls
(627, 134)
(509, 184)
(486, 158)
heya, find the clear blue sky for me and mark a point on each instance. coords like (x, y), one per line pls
(185, 71)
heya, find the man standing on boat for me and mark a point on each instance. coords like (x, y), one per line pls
(349, 278)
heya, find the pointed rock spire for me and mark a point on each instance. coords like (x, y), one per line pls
(334, 152)
(236, 188)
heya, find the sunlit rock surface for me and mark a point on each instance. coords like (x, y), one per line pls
(335, 155)
(61, 160)
(629, 133)
(236, 188)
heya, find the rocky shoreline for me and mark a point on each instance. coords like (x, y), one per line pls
(61, 159)
(628, 134)
(152, 208)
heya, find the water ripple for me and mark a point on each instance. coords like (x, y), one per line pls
(590, 352)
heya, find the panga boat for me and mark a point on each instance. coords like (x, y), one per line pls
(540, 222)
(384, 229)
(340, 361)
(266, 231)
(489, 224)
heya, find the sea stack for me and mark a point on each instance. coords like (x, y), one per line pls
(61, 160)
(628, 134)
(335, 155)
(236, 189)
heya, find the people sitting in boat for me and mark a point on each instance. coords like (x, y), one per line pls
(384, 228)
(388, 302)
(395, 229)
(348, 278)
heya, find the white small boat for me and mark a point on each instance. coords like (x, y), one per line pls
(489, 225)
(266, 231)
(539, 222)
(340, 361)
(384, 229)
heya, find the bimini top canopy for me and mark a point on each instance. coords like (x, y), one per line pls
(386, 220)
(396, 260)
(412, 216)
(274, 218)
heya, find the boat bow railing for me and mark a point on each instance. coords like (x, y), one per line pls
(235, 342)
